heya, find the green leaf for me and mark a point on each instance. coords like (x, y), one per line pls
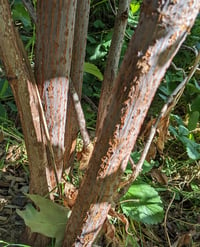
(50, 220)
(134, 7)
(3, 112)
(142, 203)
(98, 53)
(195, 104)
(4, 88)
(12, 106)
(19, 13)
(146, 167)
(195, 187)
(173, 131)
(183, 131)
(98, 24)
(93, 70)
(193, 120)
(193, 149)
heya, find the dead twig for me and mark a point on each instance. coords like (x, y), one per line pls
(165, 220)
(79, 114)
(90, 102)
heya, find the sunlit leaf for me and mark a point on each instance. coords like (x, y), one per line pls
(93, 70)
(50, 220)
(98, 53)
(134, 6)
(142, 203)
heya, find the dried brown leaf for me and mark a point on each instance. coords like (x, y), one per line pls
(146, 132)
(71, 193)
(159, 176)
(85, 155)
(151, 155)
(121, 217)
(109, 230)
(162, 131)
(1, 136)
(183, 241)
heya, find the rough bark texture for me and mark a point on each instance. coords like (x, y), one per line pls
(22, 82)
(55, 32)
(23, 85)
(162, 28)
(78, 58)
(112, 62)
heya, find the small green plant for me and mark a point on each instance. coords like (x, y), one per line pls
(183, 134)
(142, 202)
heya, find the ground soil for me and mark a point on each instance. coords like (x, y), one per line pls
(13, 185)
(182, 220)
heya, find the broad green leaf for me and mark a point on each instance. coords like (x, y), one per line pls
(177, 119)
(173, 131)
(50, 220)
(142, 203)
(193, 120)
(193, 88)
(92, 69)
(183, 131)
(19, 13)
(4, 88)
(134, 7)
(195, 104)
(193, 149)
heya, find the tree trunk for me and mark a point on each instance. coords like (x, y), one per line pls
(162, 28)
(54, 32)
(23, 85)
(78, 58)
(112, 62)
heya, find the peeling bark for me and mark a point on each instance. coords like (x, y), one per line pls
(162, 28)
